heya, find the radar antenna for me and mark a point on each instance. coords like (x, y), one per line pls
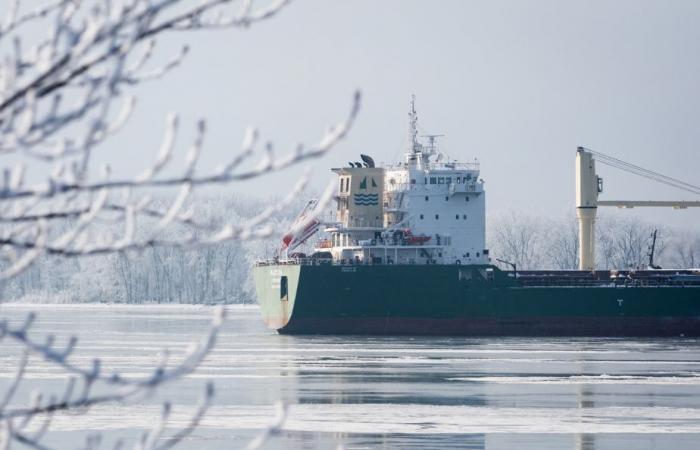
(432, 144)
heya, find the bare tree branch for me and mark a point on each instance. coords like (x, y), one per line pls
(66, 87)
(71, 400)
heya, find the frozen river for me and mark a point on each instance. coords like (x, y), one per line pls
(379, 392)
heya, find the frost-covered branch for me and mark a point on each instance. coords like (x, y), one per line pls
(273, 429)
(77, 395)
(65, 90)
(68, 76)
(225, 174)
(23, 241)
(252, 228)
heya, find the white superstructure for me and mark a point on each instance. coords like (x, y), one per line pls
(424, 210)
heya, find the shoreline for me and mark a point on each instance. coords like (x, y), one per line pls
(29, 305)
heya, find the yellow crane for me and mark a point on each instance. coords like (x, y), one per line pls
(589, 185)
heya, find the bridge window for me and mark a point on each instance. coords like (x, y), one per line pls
(421, 217)
(441, 180)
(457, 217)
(426, 198)
(447, 198)
(448, 180)
(466, 199)
(437, 216)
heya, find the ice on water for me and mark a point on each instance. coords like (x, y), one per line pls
(392, 392)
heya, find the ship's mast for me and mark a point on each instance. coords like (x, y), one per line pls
(414, 153)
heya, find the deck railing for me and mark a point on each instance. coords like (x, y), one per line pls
(544, 279)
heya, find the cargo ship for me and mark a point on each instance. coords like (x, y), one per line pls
(405, 254)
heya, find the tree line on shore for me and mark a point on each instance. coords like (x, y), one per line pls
(222, 273)
(622, 243)
(208, 274)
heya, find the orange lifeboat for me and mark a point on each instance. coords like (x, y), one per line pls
(412, 239)
(417, 240)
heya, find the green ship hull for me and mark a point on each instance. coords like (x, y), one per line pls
(465, 300)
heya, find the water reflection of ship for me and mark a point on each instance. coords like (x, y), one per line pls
(364, 378)
(585, 441)
(585, 397)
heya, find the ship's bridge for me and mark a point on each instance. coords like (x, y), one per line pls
(429, 209)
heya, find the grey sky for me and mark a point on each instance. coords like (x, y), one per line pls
(516, 84)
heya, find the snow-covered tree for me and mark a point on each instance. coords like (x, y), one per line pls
(516, 238)
(562, 244)
(533, 242)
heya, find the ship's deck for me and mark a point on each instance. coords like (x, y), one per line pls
(543, 278)
(660, 278)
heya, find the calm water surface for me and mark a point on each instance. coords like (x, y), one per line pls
(379, 392)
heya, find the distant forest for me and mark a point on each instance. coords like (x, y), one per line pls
(622, 242)
(200, 275)
(221, 273)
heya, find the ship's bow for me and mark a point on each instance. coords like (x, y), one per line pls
(276, 287)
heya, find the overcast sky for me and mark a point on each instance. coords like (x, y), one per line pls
(517, 84)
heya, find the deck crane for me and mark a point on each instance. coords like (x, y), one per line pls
(589, 185)
(304, 226)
